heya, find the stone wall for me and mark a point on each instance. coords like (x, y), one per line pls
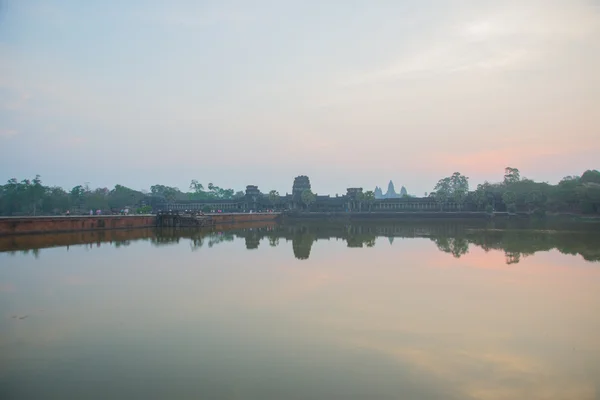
(25, 225)
(223, 219)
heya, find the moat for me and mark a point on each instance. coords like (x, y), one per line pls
(412, 310)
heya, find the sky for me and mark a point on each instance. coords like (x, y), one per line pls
(352, 94)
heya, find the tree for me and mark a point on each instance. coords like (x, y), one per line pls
(77, 195)
(442, 192)
(239, 194)
(307, 198)
(274, 197)
(459, 185)
(509, 199)
(534, 200)
(591, 176)
(37, 193)
(455, 187)
(170, 194)
(121, 197)
(369, 198)
(98, 199)
(481, 196)
(56, 200)
(511, 175)
(196, 186)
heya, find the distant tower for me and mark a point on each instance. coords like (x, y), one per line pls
(403, 192)
(301, 183)
(391, 192)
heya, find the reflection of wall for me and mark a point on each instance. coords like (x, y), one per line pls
(13, 226)
(22, 242)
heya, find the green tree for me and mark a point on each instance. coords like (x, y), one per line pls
(509, 198)
(170, 194)
(97, 199)
(442, 192)
(460, 188)
(481, 196)
(122, 197)
(455, 187)
(369, 198)
(534, 200)
(77, 196)
(511, 175)
(274, 197)
(307, 198)
(196, 186)
(591, 176)
(36, 193)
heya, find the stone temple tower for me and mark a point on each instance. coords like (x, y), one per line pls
(301, 183)
(391, 192)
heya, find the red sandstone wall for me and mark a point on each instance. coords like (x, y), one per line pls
(221, 219)
(16, 226)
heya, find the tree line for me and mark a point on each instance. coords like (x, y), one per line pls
(31, 197)
(573, 194)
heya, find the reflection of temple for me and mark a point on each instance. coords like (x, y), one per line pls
(453, 238)
(302, 244)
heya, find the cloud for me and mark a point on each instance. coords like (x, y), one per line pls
(8, 132)
(18, 103)
(525, 36)
(193, 18)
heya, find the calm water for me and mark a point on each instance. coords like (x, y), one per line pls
(302, 312)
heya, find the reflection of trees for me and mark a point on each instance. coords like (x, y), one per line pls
(252, 241)
(457, 246)
(512, 258)
(451, 237)
(361, 240)
(196, 243)
(220, 237)
(517, 244)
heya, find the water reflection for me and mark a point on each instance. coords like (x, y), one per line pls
(454, 238)
(166, 316)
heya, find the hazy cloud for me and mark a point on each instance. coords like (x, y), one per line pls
(405, 90)
(8, 132)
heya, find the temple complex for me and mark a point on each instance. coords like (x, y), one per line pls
(352, 201)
